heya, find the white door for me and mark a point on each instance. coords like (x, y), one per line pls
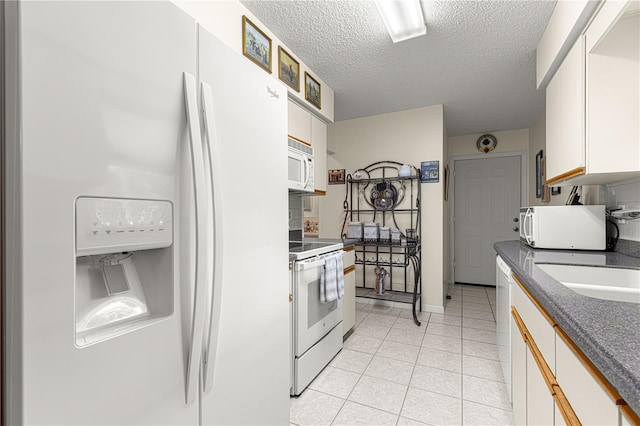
(102, 115)
(250, 382)
(487, 200)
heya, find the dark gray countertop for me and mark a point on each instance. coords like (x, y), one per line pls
(607, 332)
(347, 242)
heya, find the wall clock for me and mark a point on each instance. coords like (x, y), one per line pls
(486, 143)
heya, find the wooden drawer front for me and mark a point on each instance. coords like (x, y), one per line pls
(349, 258)
(590, 401)
(537, 324)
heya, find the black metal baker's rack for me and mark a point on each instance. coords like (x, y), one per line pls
(403, 214)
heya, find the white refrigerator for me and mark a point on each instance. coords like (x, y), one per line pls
(144, 221)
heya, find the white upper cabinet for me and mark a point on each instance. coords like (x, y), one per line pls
(567, 22)
(613, 89)
(299, 123)
(307, 128)
(565, 116)
(593, 102)
(319, 143)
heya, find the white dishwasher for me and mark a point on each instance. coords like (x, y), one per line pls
(504, 281)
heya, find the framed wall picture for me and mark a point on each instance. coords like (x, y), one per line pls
(336, 177)
(256, 45)
(539, 175)
(430, 171)
(311, 227)
(288, 69)
(312, 90)
(447, 177)
(546, 190)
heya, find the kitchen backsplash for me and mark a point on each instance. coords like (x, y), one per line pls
(627, 194)
(295, 217)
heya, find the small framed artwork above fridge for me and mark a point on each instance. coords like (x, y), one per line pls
(312, 91)
(288, 69)
(256, 45)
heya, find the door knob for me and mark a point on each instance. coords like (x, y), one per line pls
(516, 229)
(515, 219)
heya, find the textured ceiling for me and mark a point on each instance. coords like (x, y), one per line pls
(477, 59)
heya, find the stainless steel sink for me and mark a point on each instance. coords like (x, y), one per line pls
(602, 283)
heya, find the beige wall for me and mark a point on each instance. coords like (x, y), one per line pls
(410, 137)
(515, 141)
(537, 142)
(508, 141)
(223, 18)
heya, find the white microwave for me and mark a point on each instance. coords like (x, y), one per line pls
(300, 165)
(564, 227)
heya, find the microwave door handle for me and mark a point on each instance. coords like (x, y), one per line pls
(307, 173)
(527, 225)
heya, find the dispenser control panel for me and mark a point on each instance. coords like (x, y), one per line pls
(108, 225)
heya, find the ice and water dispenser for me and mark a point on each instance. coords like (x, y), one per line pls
(124, 266)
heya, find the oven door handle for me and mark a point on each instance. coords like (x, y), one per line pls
(303, 266)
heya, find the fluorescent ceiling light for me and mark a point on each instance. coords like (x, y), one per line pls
(403, 18)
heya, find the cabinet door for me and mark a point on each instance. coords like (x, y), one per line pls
(518, 375)
(319, 143)
(349, 301)
(540, 404)
(590, 402)
(538, 325)
(613, 85)
(628, 417)
(565, 116)
(299, 122)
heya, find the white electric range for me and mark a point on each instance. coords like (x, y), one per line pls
(316, 326)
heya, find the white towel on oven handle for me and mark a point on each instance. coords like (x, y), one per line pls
(340, 275)
(330, 283)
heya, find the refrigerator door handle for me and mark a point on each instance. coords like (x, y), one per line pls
(199, 186)
(215, 284)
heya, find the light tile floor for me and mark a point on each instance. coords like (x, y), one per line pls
(392, 372)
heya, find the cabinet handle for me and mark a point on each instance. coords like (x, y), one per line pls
(571, 173)
(564, 406)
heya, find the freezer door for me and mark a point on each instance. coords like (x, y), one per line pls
(247, 352)
(101, 110)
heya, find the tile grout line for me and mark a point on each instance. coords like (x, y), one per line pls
(356, 384)
(426, 323)
(361, 375)
(420, 348)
